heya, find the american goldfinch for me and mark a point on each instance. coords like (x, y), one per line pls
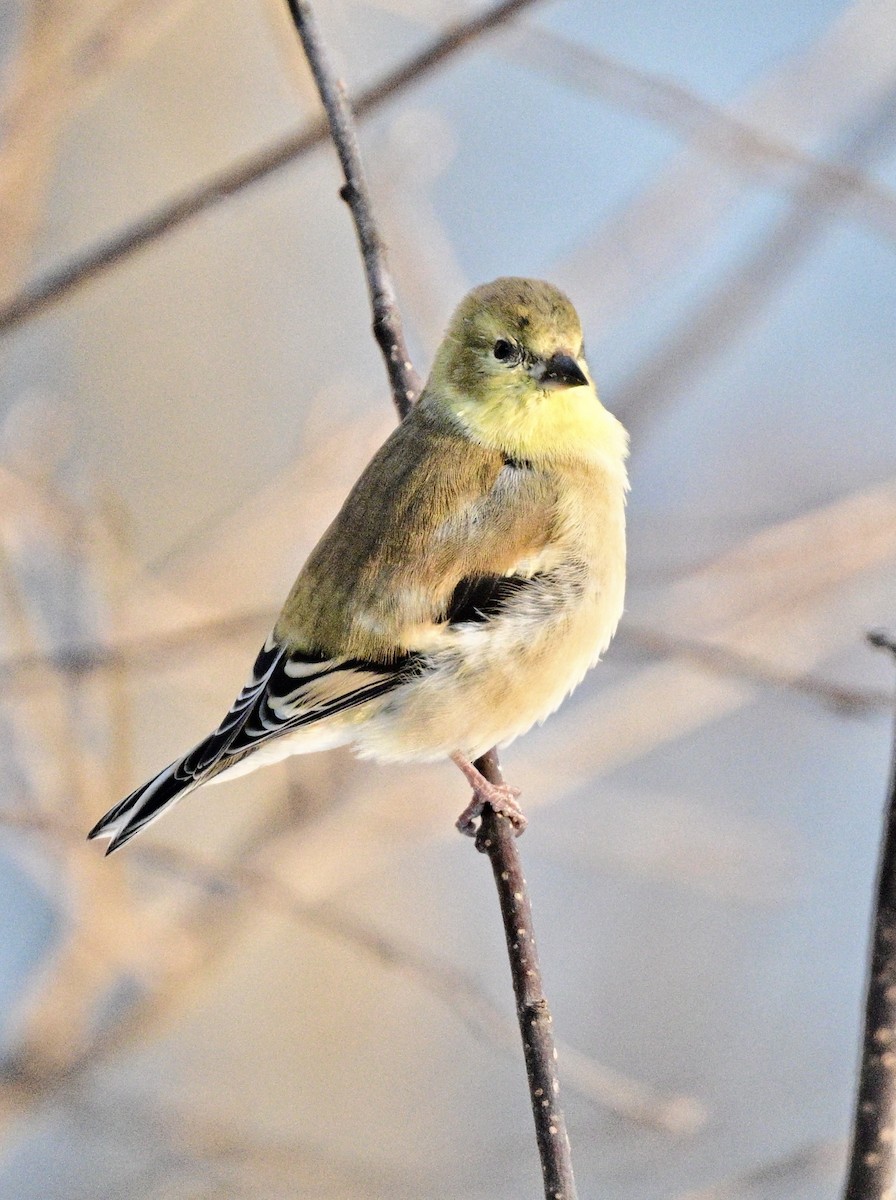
(474, 574)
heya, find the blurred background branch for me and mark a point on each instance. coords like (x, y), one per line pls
(33, 297)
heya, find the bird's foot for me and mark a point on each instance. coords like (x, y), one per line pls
(501, 797)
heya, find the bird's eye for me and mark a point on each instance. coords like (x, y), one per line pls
(503, 350)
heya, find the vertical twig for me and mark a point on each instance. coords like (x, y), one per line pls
(872, 1163)
(387, 330)
(497, 839)
(495, 835)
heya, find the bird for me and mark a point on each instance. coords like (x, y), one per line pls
(474, 574)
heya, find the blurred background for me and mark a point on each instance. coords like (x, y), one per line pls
(295, 985)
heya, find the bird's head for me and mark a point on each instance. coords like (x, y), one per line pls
(512, 370)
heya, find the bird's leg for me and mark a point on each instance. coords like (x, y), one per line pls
(501, 797)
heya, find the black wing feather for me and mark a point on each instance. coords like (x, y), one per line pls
(277, 699)
(481, 598)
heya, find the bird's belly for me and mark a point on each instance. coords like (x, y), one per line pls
(494, 682)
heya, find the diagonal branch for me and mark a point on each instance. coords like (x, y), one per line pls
(257, 883)
(742, 294)
(87, 265)
(745, 145)
(155, 652)
(387, 329)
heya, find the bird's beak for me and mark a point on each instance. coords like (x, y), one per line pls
(560, 371)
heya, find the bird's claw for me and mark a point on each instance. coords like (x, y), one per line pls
(502, 798)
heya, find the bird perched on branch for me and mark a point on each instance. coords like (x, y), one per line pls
(474, 574)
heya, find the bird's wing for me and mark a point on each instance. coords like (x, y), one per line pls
(286, 691)
(300, 688)
(432, 510)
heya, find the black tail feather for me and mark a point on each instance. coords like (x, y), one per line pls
(136, 811)
(279, 698)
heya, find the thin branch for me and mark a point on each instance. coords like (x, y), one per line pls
(158, 651)
(587, 1078)
(814, 1160)
(387, 329)
(872, 1164)
(28, 1076)
(722, 316)
(89, 264)
(497, 839)
(205, 1143)
(741, 144)
(843, 700)
(495, 835)
(151, 651)
(808, 97)
(647, 95)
